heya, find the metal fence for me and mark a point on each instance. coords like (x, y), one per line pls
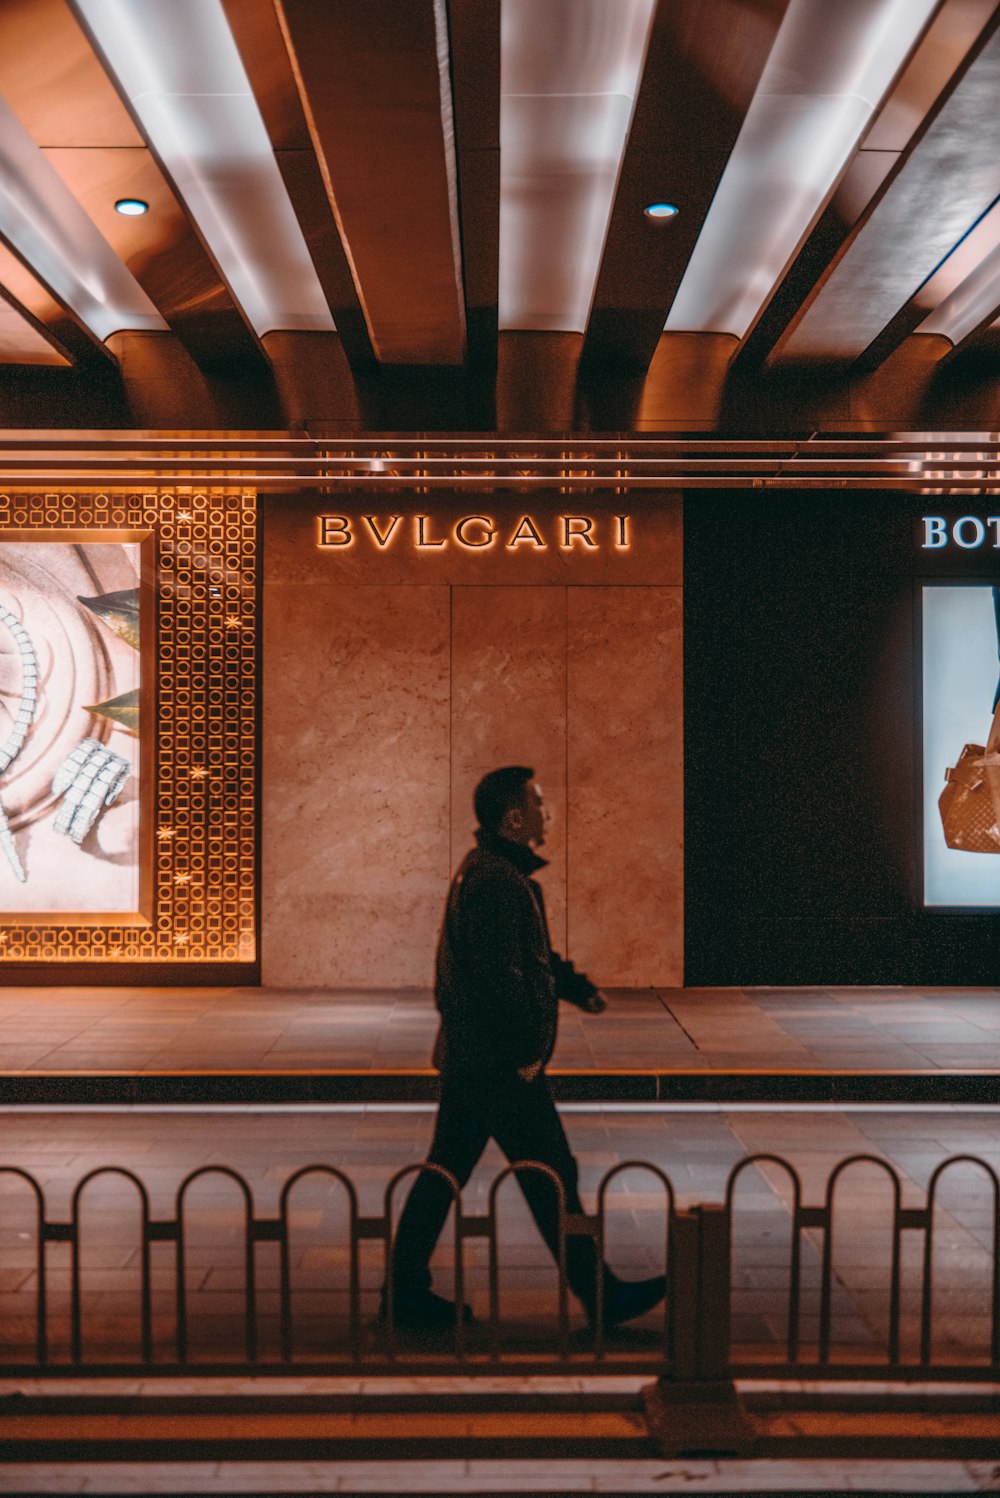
(691, 1338)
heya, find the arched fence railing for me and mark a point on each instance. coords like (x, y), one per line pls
(840, 1316)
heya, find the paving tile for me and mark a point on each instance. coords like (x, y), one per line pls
(698, 1029)
(371, 1146)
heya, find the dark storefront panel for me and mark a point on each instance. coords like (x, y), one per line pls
(802, 742)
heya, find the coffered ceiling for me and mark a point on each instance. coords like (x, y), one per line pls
(421, 176)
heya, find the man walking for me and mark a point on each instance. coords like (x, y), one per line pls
(498, 985)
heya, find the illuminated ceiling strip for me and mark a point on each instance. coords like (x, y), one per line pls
(570, 71)
(948, 447)
(830, 66)
(179, 67)
(45, 226)
(929, 463)
(928, 483)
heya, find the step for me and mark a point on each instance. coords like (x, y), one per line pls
(747, 1085)
(480, 1425)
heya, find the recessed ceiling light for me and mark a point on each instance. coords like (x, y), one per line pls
(131, 207)
(661, 211)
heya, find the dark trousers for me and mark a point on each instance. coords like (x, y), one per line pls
(522, 1118)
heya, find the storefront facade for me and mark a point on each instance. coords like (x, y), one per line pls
(735, 700)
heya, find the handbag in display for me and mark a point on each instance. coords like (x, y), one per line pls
(970, 801)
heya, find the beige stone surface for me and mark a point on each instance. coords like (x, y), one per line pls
(433, 668)
(508, 706)
(625, 784)
(355, 766)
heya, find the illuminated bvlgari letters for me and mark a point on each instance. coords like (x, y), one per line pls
(478, 532)
(372, 523)
(525, 533)
(486, 539)
(335, 530)
(577, 528)
(423, 540)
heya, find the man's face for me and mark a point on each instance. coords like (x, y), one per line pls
(535, 815)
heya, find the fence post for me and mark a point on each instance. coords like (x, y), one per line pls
(694, 1408)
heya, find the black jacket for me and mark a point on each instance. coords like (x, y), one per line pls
(498, 981)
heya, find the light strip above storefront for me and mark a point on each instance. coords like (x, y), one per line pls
(178, 66)
(925, 463)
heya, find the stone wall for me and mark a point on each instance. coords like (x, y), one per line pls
(395, 675)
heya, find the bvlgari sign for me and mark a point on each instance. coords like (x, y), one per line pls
(476, 532)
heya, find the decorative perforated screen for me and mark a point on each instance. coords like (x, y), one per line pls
(197, 824)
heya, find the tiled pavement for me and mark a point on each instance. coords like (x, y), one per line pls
(551, 1478)
(248, 1030)
(696, 1146)
(140, 1030)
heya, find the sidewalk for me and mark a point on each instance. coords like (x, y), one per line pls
(762, 1044)
(696, 1148)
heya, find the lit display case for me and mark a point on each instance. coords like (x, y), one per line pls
(961, 765)
(128, 728)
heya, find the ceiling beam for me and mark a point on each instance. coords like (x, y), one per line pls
(983, 338)
(973, 258)
(474, 30)
(938, 54)
(703, 64)
(945, 180)
(54, 82)
(25, 340)
(260, 41)
(60, 324)
(377, 93)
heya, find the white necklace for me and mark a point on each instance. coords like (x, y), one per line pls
(14, 742)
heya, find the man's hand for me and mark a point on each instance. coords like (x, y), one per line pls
(529, 1073)
(594, 1003)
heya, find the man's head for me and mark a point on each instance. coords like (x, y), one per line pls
(509, 804)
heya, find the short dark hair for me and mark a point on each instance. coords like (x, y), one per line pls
(498, 792)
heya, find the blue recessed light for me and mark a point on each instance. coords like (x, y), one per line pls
(131, 207)
(661, 211)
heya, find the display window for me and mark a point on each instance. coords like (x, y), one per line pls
(128, 730)
(71, 711)
(960, 627)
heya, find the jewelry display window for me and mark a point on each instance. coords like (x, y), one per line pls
(128, 728)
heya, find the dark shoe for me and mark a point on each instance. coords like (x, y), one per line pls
(423, 1311)
(624, 1300)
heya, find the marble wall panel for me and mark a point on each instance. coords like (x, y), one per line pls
(355, 852)
(388, 691)
(508, 706)
(624, 784)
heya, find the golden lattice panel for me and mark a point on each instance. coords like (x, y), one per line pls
(199, 845)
